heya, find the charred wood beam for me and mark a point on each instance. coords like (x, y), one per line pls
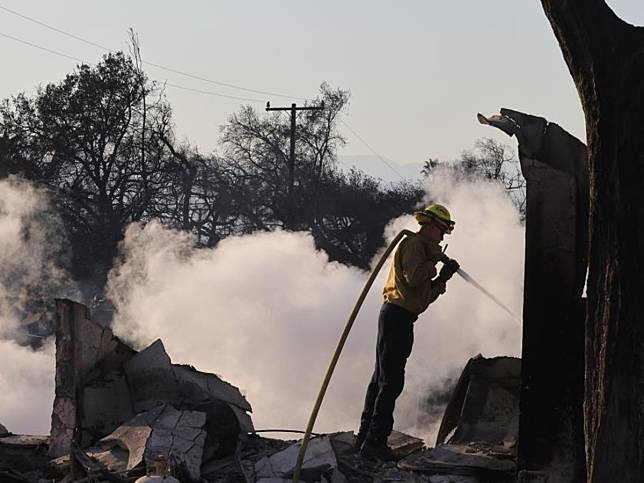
(554, 164)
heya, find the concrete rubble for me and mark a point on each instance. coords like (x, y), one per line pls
(201, 425)
(22, 456)
(123, 408)
(117, 409)
(477, 438)
(162, 430)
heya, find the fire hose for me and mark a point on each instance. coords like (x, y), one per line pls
(345, 335)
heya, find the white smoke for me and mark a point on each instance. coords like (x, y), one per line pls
(30, 247)
(265, 311)
(26, 387)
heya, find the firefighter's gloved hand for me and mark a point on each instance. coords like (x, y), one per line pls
(450, 267)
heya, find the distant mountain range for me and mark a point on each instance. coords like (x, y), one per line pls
(374, 166)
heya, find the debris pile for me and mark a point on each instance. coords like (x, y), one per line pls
(479, 431)
(117, 411)
(22, 457)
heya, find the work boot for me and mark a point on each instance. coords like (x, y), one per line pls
(376, 450)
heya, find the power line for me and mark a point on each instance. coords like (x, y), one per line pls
(372, 150)
(13, 12)
(210, 93)
(176, 86)
(169, 69)
(158, 66)
(55, 52)
(223, 84)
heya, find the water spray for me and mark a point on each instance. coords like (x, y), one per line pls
(469, 279)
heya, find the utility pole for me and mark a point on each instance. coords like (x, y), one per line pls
(291, 162)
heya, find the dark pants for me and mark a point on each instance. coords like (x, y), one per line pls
(395, 339)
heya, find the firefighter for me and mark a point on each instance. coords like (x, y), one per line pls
(412, 284)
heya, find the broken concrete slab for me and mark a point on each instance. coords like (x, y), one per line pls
(319, 459)
(403, 445)
(180, 435)
(247, 454)
(153, 379)
(343, 443)
(163, 430)
(195, 384)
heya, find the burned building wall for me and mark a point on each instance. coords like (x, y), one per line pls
(83, 351)
(554, 164)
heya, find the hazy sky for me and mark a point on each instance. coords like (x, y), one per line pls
(418, 71)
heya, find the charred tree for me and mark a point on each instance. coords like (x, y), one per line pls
(605, 56)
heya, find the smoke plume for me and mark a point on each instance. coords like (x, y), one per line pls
(27, 387)
(31, 249)
(265, 311)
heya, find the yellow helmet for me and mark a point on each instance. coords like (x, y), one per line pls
(438, 214)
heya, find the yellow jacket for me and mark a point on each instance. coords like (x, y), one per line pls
(409, 284)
